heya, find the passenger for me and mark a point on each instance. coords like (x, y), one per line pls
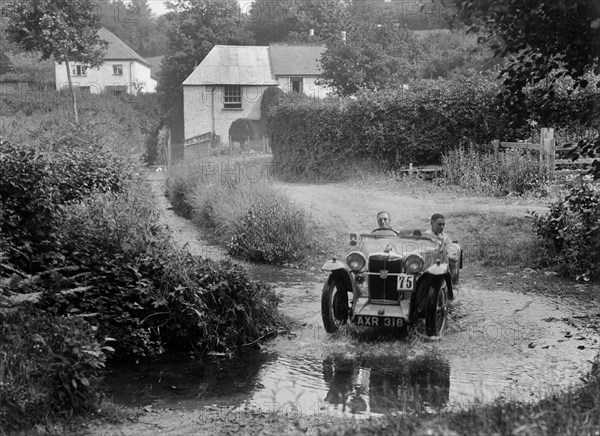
(438, 222)
(451, 251)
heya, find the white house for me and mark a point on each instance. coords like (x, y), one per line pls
(123, 70)
(230, 81)
(297, 68)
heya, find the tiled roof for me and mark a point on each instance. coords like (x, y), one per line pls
(296, 60)
(117, 49)
(232, 64)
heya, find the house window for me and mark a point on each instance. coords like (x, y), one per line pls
(297, 85)
(78, 70)
(118, 70)
(233, 97)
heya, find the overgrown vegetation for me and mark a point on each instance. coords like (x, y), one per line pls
(80, 238)
(238, 205)
(508, 172)
(49, 367)
(571, 230)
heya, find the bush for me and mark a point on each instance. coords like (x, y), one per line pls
(509, 171)
(572, 229)
(254, 220)
(37, 185)
(132, 284)
(50, 367)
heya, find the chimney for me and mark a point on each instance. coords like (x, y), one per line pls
(311, 32)
(344, 36)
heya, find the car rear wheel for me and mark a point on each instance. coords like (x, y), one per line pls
(334, 305)
(436, 312)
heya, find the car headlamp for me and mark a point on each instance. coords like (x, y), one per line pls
(453, 252)
(414, 263)
(356, 261)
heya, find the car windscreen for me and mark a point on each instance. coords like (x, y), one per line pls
(398, 244)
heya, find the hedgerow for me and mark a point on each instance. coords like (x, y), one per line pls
(396, 127)
(322, 139)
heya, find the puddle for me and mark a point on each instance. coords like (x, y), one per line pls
(180, 382)
(337, 384)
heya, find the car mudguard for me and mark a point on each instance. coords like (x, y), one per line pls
(437, 269)
(341, 272)
(334, 265)
(418, 299)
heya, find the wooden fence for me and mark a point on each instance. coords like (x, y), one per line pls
(547, 152)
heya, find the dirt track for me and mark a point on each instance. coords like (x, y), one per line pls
(499, 342)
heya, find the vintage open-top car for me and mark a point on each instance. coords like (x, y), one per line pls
(392, 280)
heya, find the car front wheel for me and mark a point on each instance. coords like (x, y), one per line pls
(334, 305)
(436, 312)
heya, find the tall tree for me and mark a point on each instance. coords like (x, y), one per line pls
(195, 27)
(327, 19)
(64, 30)
(373, 57)
(544, 41)
(134, 23)
(270, 21)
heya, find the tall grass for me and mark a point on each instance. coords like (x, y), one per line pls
(509, 171)
(254, 219)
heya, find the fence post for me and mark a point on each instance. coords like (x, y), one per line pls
(496, 143)
(548, 145)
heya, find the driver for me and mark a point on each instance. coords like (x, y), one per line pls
(383, 220)
(384, 223)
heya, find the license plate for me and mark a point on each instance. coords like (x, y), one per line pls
(406, 282)
(378, 321)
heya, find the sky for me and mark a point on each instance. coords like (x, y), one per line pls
(159, 8)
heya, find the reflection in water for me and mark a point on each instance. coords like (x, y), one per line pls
(338, 384)
(387, 384)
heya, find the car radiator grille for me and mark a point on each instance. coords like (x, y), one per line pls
(384, 290)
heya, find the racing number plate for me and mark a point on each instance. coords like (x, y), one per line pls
(406, 282)
(380, 321)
